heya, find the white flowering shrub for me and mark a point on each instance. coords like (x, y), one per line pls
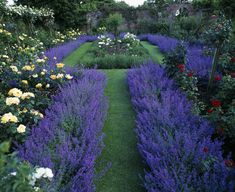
(105, 41)
(30, 13)
(131, 39)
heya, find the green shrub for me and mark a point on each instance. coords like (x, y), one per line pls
(113, 61)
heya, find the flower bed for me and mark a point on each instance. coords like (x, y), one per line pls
(110, 53)
(196, 60)
(69, 138)
(175, 144)
(164, 43)
(58, 53)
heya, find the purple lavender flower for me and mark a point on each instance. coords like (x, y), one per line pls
(175, 144)
(69, 138)
(61, 51)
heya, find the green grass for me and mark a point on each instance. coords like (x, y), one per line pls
(154, 52)
(120, 141)
(77, 55)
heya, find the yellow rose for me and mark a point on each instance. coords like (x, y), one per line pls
(27, 95)
(12, 101)
(15, 92)
(21, 128)
(40, 61)
(43, 73)
(38, 86)
(35, 75)
(27, 68)
(5, 118)
(59, 65)
(13, 119)
(25, 82)
(9, 117)
(60, 76)
(69, 77)
(40, 115)
(53, 77)
(14, 68)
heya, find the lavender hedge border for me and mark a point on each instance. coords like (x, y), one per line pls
(196, 61)
(63, 50)
(175, 144)
(69, 138)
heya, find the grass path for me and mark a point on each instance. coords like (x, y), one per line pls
(120, 142)
(77, 55)
(154, 52)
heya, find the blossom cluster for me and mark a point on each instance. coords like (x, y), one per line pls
(26, 83)
(175, 144)
(69, 138)
(131, 38)
(105, 41)
(30, 12)
(66, 36)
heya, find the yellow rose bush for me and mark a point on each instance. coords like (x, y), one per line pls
(26, 83)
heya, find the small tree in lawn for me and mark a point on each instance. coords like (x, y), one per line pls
(113, 22)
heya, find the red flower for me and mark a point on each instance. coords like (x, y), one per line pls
(190, 74)
(216, 103)
(218, 78)
(181, 67)
(220, 131)
(233, 75)
(229, 163)
(233, 59)
(209, 110)
(205, 149)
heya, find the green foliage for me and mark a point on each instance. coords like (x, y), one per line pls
(228, 6)
(113, 22)
(14, 175)
(150, 26)
(114, 62)
(67, 13)
(173, 59)
(217, 34)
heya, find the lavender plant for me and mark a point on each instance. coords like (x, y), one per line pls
(57, 54)
(175, 144)
(69, 138)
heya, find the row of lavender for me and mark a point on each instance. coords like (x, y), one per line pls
(69, 138)
(58, 53)
(196, 60)
(175, 144)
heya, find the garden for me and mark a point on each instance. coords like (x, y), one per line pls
(111, 97)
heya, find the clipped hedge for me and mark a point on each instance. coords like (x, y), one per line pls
(175, 144)
(69, 138)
